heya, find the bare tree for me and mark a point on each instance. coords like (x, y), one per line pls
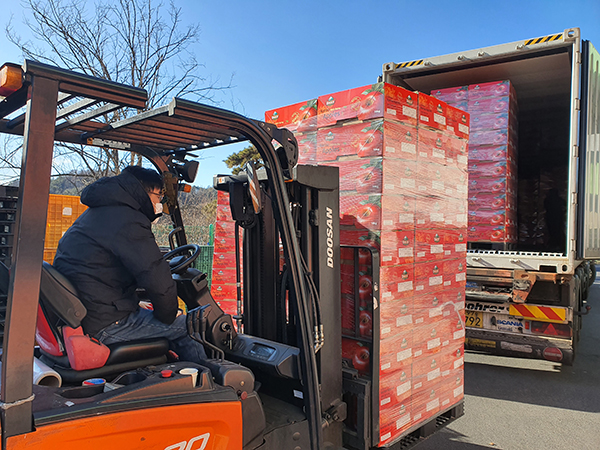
(141, 43)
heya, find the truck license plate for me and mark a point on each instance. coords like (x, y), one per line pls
(474, 319)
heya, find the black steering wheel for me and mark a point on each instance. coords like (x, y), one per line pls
(179, 258)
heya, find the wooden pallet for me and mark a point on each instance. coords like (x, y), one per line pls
(428, 428)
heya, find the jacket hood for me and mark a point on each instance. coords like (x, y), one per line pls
(121, 190)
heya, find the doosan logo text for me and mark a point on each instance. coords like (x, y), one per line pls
(329, 237)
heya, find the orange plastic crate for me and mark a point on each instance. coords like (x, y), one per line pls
(63, 210)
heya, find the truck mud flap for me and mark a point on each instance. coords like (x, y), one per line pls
(531, 347)
(426, 429)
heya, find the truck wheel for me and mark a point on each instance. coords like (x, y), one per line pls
(593, 270)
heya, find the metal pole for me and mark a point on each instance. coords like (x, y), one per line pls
(24, 288)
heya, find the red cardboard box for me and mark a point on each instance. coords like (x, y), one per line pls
(360, 211)
(224, 244)
(452, 95)
(455, 273)
(224, 276)
(432, 179)
(225, 260)
(434, 146)
(457, 218)
(455, 243)
(431, 212)
(429, 277)
(491, 105)
(400, 140)
(490, 137)
(395, 357)
(297, 117)
(393, 422)
(490, 169)
(399, 177)
(221, 292)
(432, 112)
(368, 102)
(358, 139)
(458, 122)
(490, 90)
(363, 176)
(397, 248)
(493, 121)
(487, 153)
(396, 282)
(396, 316)
(398, 212)
(223, 213)
(429, 245)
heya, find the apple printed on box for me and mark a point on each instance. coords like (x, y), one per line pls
(361, 211)
(357, 354)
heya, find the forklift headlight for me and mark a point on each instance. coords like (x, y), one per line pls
(11, 79)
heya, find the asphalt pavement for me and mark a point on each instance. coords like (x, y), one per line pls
(514, 404)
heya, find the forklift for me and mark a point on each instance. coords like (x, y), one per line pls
(272, 382)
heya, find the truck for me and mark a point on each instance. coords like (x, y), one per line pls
(274, 378)
(526, 299)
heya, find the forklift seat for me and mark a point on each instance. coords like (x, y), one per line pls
(75, 356)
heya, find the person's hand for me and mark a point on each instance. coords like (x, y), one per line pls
(146, 305)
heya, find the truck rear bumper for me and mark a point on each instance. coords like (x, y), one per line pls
(532, 347)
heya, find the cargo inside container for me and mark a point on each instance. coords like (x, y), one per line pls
(542, 81)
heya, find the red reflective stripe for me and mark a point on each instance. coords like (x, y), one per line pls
(523, 310)
(549, 312)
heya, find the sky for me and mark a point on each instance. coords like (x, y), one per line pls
(283, 52)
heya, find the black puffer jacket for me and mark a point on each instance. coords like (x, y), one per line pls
(110, 251)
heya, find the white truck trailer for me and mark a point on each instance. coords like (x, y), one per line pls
(528, 299)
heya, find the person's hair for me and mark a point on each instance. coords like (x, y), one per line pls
(149, 178)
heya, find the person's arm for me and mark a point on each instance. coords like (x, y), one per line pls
(141, 255)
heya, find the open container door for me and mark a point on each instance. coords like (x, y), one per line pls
(588, 244)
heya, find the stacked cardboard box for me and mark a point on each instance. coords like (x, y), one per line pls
(492, 158)
(224, 286)
(403, 192)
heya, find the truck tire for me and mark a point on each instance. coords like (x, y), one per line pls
(593, 277)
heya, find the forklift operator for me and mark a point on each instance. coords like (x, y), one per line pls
(110, 251)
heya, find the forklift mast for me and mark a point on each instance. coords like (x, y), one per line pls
(314, 204)
(65, 106)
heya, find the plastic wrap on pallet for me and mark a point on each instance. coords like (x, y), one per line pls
(223, 286)
(492, 158)
(403, 192)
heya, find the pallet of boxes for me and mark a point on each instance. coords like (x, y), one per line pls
(224, 279)
(492, 161)
(403, 167)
